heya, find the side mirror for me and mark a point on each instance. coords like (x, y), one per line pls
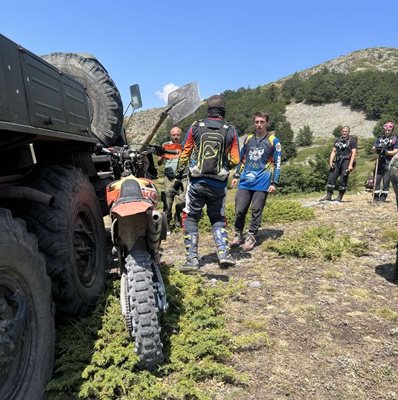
(135, 94)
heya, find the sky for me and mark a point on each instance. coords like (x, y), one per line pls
(222, 45)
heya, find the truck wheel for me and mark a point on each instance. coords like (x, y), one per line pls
(105, 104)
(26, 314)
(72, 236)
(141, 310)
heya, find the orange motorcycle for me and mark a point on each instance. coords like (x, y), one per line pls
(138, 228)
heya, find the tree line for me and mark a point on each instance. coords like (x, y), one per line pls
(373, 92)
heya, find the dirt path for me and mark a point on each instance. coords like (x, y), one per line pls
(333, 326)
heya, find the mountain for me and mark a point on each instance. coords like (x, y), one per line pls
(375, 58)
(322, 119)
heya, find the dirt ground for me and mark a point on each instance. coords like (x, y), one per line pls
(333, 325)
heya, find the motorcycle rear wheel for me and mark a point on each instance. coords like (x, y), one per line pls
(142, 314)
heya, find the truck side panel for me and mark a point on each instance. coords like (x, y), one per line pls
(34, 93)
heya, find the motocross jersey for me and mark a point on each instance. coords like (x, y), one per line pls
(261, 162)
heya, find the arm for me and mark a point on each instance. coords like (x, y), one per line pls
(234, 157)
(332, 157)
(277, 156)
(187, 148)
(353, 156)
(239, 167)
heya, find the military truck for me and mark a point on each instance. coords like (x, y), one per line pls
(53, 111)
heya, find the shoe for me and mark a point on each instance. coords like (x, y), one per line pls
(250, 241)
(220, 236)
(237, 240)
(339, 198)
(226, 261)
(328, 197)
(190, 264)
(191, 250)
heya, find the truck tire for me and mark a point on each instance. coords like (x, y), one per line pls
(72, 236)
(142, 317)
(26, 314)
(105, 104)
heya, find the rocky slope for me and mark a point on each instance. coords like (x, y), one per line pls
(324, 118)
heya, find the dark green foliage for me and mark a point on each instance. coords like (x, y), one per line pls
(305, 137)
(323, 87)
(318, 242)
(374, 92)
(337, 131)
(293, 89)
(95, 357)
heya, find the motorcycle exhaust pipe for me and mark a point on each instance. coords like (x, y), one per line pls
(154, 229)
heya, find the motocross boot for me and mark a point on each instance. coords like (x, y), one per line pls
(383, 196)
(191, 250)
(220, 236)
(328, 196)
(339, 197)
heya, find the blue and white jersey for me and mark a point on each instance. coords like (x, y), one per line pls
(261, 162)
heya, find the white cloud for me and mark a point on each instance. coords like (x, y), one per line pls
(164, 94)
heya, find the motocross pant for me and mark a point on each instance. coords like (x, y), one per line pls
(243, 199)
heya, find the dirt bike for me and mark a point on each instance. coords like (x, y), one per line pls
(137, 230)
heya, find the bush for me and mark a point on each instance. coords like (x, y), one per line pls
(318, 242)
(305, 137)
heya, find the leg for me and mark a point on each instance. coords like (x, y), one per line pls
(334, 173)
(258, 203)
(343, 179)
(386, 184)
(216, 212)
(242, 203)
(195, 203)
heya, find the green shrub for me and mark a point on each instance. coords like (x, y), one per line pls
(95, 357)
(277, 210)
(318, 242)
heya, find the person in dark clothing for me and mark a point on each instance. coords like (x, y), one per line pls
(341, 163)
(386, 147)
(170, 196)
(211, 146)
(393, 172)
(258, 175)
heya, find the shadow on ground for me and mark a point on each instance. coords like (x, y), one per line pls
(388, 272)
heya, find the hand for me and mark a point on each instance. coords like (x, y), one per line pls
(234, 183)
(332, 165)
(177, 185)
(272, 188)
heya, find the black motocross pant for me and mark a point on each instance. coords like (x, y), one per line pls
(340, 170)
(243, 199)
(200, 195)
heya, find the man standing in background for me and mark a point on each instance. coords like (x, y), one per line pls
(170, 195)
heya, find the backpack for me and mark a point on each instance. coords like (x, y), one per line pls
(211, 152)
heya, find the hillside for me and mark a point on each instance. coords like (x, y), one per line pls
(376, 58)
(322, 118)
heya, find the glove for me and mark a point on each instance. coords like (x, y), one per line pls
(381, 150)
(177, 185)
(347, 172)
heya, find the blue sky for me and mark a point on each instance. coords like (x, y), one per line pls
(219, 44)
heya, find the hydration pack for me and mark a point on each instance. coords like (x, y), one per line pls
(211, 152)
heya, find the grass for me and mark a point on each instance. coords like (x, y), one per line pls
(317, 242)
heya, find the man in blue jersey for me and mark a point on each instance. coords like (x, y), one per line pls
(258, 174)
